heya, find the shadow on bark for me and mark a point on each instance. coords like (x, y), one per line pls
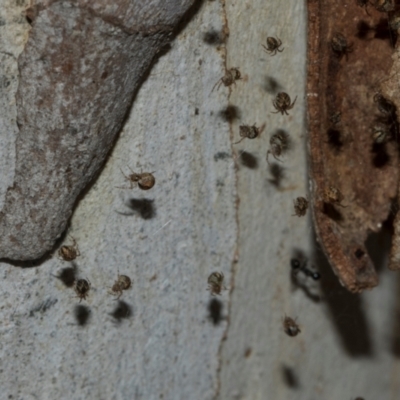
(345, 311)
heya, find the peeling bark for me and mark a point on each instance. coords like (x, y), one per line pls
(341, 115)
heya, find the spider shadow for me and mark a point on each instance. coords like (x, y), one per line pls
(332, 212)
(345, 311)
(277, 175)
(289, 377)
(335, 139)
(215, 308)
(395, 338)
(68, 275)
(230, 113)
(380, 155)
(271, 85)
(121, 312)
(145, 208)
(214, 37)
(383, 32)
(248, 160)
(82, 314)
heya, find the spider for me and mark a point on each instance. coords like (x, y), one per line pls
(215, 283)
(302, 266)
(340, 46)
(381, 134)
(384, 5)
(145, 180)
(290, 327)
(300, 206)
(122, 283)
(282, 103)
(249, 132)
(333, 195)
(385, 106)
(231, 76)
(335, 118)
(82, 287)
(364, 4)
(69, 253)
(279, 144)
(273, 45)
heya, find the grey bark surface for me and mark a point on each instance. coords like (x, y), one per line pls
(215, 207)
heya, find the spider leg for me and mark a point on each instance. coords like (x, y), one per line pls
(267, 50)
(276, 107)
(292, 105)
(239, 140)
(122, 172)
(270, 152)
(219, 81)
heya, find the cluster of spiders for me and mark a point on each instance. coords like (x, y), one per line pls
(279, 143)
(282, 103)
(82, 286)
(145, 181)
(280, 140)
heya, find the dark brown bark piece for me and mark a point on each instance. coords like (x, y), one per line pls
(341, 115)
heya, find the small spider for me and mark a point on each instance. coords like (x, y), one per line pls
(215, 283)
(364, 4)
(122, 283)
(249, 132)
(302, 266)
(273, 45)
(381, 134)
(290, 327)
(300, 206)
(335, 118)
(385, 106)
(333, 195)
(231, 76)
(82, 287)
(384, 5)
(282, 103)
(340, 46)
(69, 253)
(279, 144)
(145, 180)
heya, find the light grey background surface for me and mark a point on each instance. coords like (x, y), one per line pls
(211, 212)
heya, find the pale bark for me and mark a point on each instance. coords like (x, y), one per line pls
(213, 208)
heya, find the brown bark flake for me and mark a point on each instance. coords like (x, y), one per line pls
(349, 55)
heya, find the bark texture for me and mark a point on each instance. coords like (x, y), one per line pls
(343, 110)
(78, 73)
